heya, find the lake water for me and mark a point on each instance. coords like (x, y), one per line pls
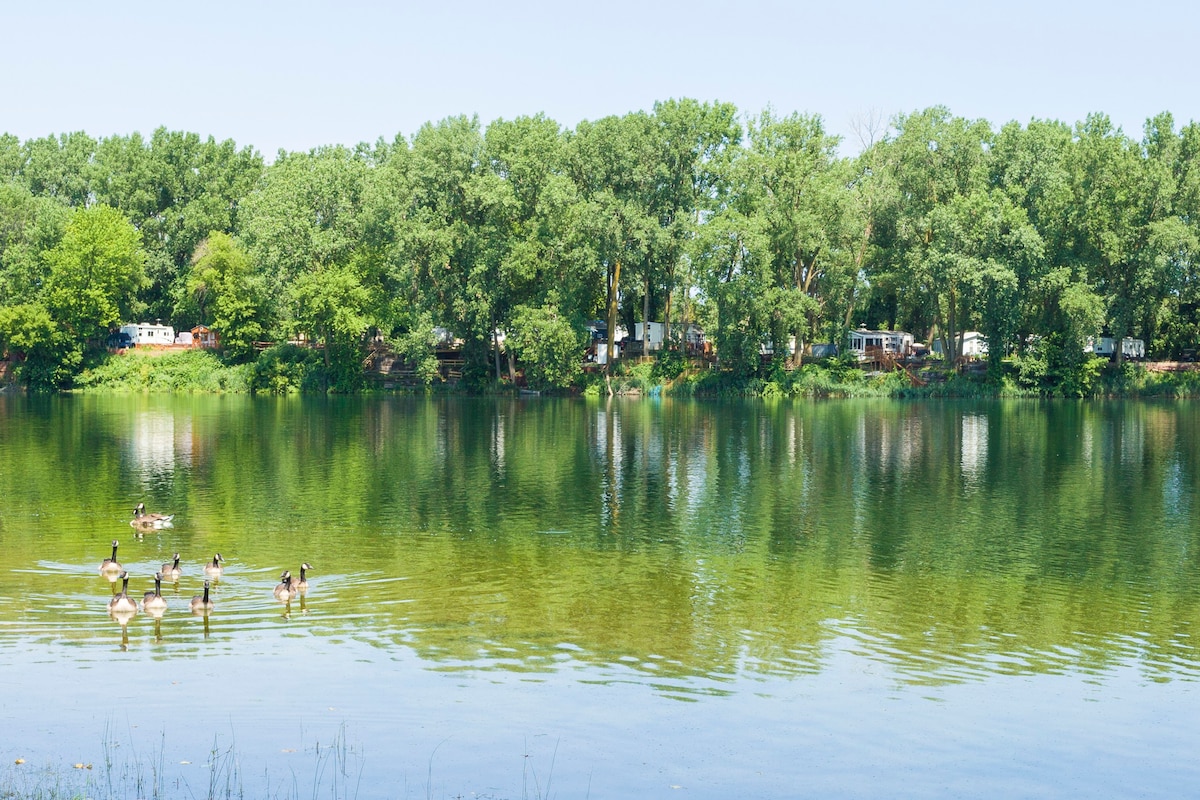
(574, 599)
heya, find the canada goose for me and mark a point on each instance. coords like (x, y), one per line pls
(214, 569)
(171, 571)
(302, 584)
(122, 603)
(154, 602)
(202, 605)
(110, 567)
(285, 590)
(145, 521)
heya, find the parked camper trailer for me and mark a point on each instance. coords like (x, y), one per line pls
(1106, 347)
(147, 333)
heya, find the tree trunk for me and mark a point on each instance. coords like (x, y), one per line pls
(646, 317)
(496, 350)
(667, 321)
(952, 327)
(614, 279)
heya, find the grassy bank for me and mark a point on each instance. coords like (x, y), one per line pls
(187, 371)
(287, 369)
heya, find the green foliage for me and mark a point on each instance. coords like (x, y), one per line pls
(1057, 366)
(331, 305)
(548, 346)
(669, 365)
(415, 346)
(95, 273)
(188, 371)
(288, 368)
(305, 214)
(47, 356)
(223, 292)
(29, 226)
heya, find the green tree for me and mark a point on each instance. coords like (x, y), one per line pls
(981, 243)
(692, 142)
(175, 188)
(223, 292)
(1031, 165)
(331, 305)
(527, 239)
(610, 162)
(60, 167)
(795, 183)
(549, 346)
(304, 215)
(732, 254)
(29, 226)
(46, 356)
(96, 271)
(933, 159)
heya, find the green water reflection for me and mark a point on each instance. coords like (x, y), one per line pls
(688, 543)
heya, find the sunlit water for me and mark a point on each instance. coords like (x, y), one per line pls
(605, 599)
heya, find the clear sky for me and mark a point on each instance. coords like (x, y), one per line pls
(301, 73)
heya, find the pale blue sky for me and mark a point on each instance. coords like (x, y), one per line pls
(299, 74)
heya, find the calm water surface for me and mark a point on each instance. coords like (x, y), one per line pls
(606, 599)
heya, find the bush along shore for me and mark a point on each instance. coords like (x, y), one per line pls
(289, 369)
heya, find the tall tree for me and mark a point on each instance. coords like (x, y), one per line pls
(1123, 210)
(60, 167)
(304, 217)
(934, 158)
(29, 226)
(693, 141)
(95, 273)
(610, 165)
(799, 188)
(224, 292)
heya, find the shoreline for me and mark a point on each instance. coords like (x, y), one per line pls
(202, 372)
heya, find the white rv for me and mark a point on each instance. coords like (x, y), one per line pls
(146, 333)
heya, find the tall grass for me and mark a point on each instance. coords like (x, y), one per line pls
(188, 371)
(337, 774)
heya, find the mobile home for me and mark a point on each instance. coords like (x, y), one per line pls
(870, 344)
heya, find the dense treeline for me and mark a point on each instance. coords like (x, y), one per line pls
(1038, 235)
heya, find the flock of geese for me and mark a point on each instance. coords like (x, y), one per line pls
(123, 607)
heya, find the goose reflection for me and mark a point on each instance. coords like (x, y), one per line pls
(123, 618)
(122, 610)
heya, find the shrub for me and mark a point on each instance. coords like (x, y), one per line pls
(189, 371)
(288, 368)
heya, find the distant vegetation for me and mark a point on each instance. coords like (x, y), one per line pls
(1038, 235)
